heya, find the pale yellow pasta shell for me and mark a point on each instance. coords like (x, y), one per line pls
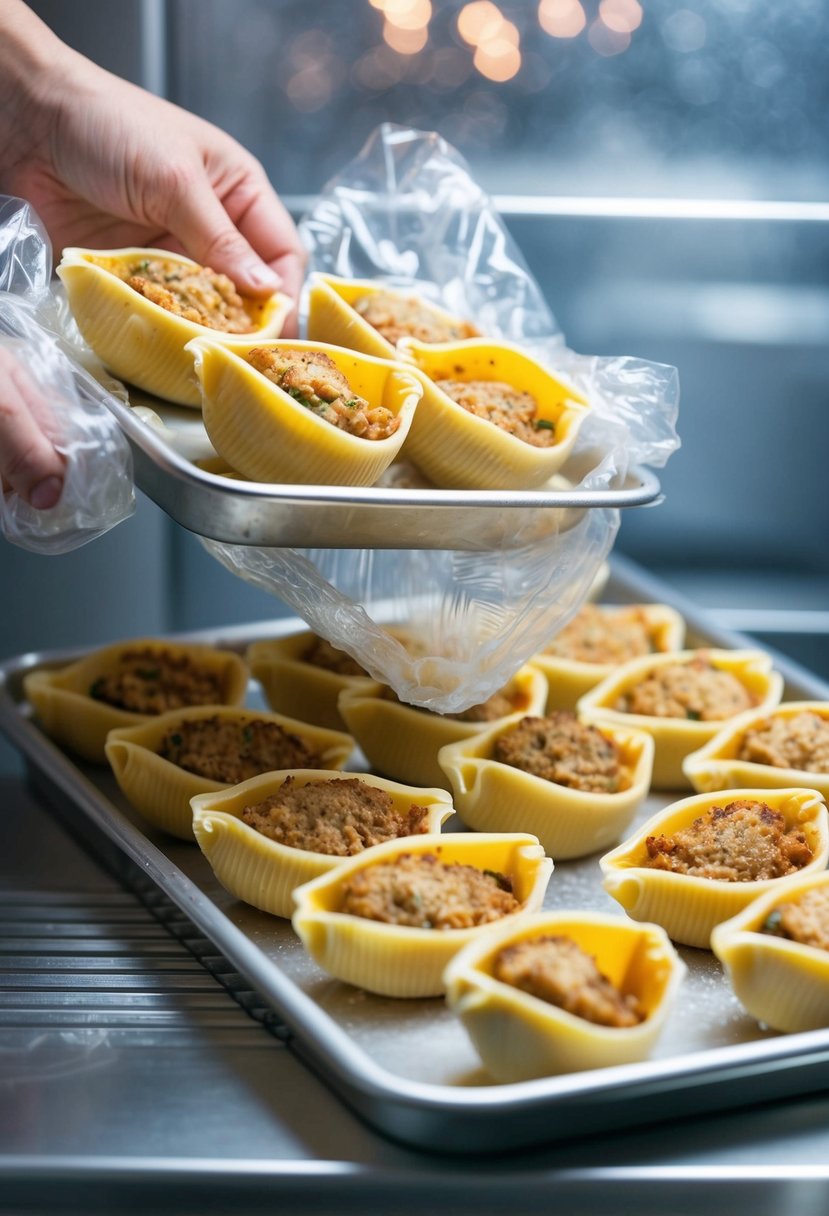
(716, 766)
(293, 685)
(138, 340)
(676, 738)
(782, 983)
(494, 797)
(519, 1036)
(265, 873)
(333, 317)
(403, 961)
(453, 447)
(688, 907)
(403, 742)
(569, 679)
(161, 791)
(264, 433)
(72, 717)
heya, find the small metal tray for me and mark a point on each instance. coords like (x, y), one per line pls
(407, 1067)
(176, 466)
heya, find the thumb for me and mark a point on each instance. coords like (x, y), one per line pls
(209, 236)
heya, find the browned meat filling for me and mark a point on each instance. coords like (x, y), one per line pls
(339, 817)
(556, 970)
(800, 741)
(196, 293)
(744, 841)
(422, 892)
(506, 407)
(696, 690)
(313, 379)
(222, 749)
(805, 919)
(559, 748)
(395, 317)
(321, 653)
(604, 635)
(154, 681)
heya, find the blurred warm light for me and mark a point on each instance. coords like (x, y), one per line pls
(561, 18)
(606, 41)
(507, 31)
(621, 16)
(405, 41)
(381, 4)
(408, 14)
(479, 21)
(499, 59)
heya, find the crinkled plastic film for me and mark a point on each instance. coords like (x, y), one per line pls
(407, 211)
(34, 325)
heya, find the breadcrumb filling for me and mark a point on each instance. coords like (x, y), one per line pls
(804, 920)
(798, 741)
(148, 681)
(339, 817)
(605, 635)
(422, 892)
(195, 293)
(744, 841)
(506, 407)
(556, 970)
(395, 317)
(228, 750)
(563, 750)
(695, 690)
(313, 379)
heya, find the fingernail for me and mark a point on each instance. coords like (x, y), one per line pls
(263, 278)
(46, 493)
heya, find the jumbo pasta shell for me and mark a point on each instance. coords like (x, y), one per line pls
(261, 431)
(403, 742)
(293, 685)
(455, 448)
(718, 765)
(781, 982)
(161, 790)
(569, 679)
(519, 1036)
(333, 315)
(685, 905)
(403, 961)
(494, 797)
(265, 873)
(137, 339)
(676, 738)
(73, 717)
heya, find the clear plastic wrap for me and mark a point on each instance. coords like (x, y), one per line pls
(34, 325)
(408, 212)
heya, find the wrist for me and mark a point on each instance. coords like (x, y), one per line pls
(33, 63)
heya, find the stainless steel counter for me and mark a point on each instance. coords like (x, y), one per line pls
(132, 1081)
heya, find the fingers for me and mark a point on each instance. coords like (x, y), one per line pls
(230, 218)
(263, 220)
(210, 237)
(29, 462)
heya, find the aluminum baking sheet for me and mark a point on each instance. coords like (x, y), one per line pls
(407, 1067)
(176, 466)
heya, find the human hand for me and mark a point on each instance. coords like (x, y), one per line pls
(29, 463)
(106, 164)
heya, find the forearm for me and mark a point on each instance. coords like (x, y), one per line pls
(32, 61)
